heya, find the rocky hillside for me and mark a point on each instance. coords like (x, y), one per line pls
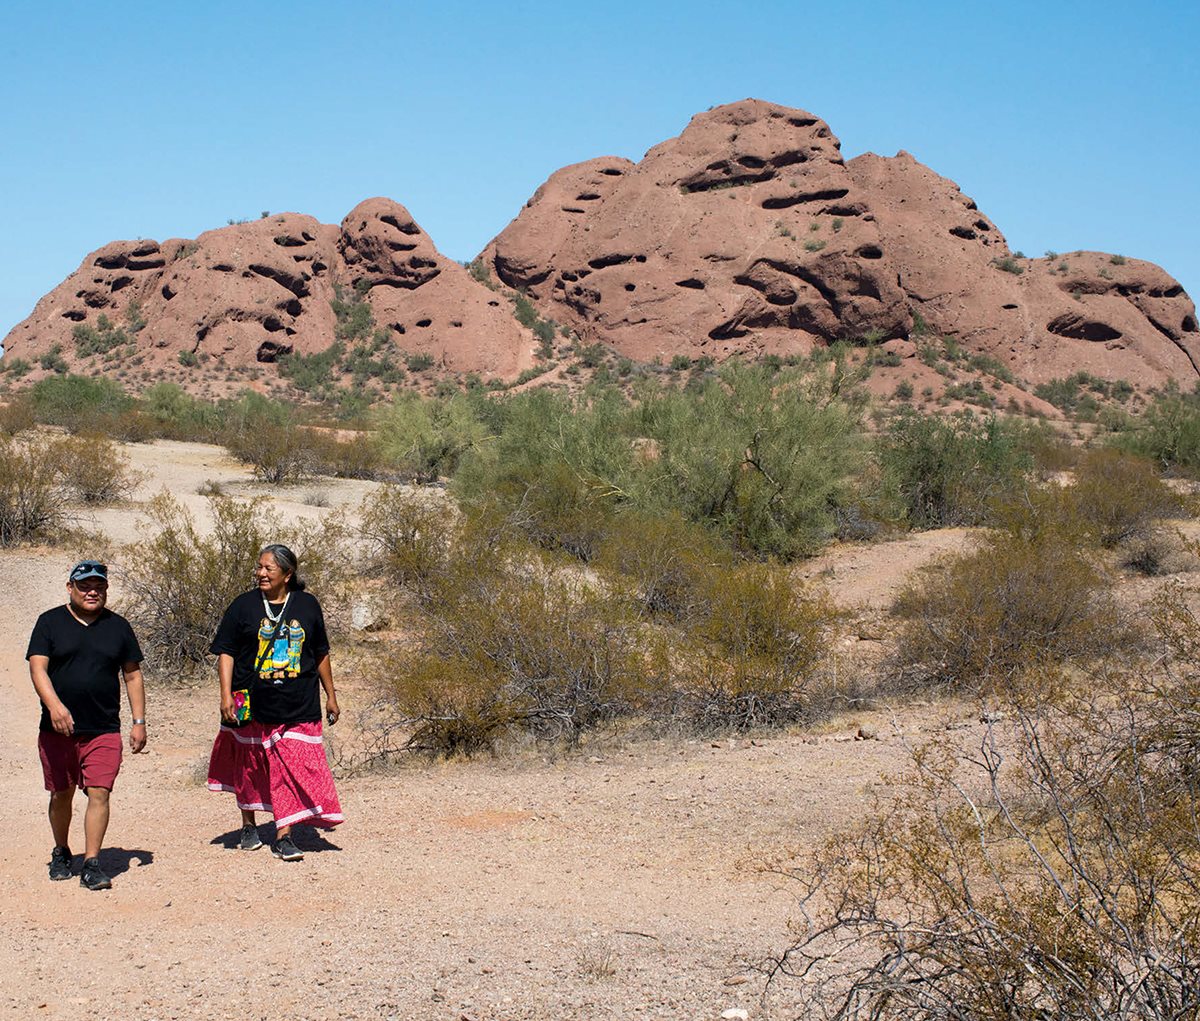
(746, 235)
(749, 234)
(250, 292)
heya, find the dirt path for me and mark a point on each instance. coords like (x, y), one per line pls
(616, 881)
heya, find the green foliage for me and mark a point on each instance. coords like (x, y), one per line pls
(423, 439)
(940, 472)
(680, 363)
(311, 373)
(104, 337)
(355, 319)
(53, 361)
(419, 362)
(188, 358)
(78, 403)
(1009, 264)
(1168, 433)
(17, 367)
(1118, 260)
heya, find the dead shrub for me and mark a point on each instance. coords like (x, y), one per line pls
(357, 458)
(985, 616)
(34, 491)
(276, 452)
(1052, 873)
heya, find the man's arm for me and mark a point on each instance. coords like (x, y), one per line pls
(60, 715)
(135, 689)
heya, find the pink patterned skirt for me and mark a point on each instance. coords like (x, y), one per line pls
(279, 769)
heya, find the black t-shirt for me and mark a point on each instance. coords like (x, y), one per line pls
(285, 688)
(85, 666)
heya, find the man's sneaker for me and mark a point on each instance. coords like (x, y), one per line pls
(284, 849)
(60, 863)
(93, 877)
(250, 840)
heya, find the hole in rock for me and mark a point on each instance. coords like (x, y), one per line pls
(1189, 324)
(603, 261)
(983, 225)
(272, 325)
(692, 282)
(75, 315)
(456, 323)
(306, 235)
(270, 350)
(110, 261)
(1010, 306)
(1169, 292)
(612, 172)
(120, 283)
(966, 233)
(424, 322)
(1077, 328)
(292, 308)
(870, 252)
(784, 201)
(167, 293)
(408, 228)
(288, 241)
(631, 287)
(752, 162)
(224, 267)
(587, 196)
(572, 209)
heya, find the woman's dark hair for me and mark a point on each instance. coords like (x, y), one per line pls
(287, 561)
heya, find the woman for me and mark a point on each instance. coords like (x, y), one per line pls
(273, 653)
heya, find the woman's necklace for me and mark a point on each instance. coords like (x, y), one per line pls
(274, 617)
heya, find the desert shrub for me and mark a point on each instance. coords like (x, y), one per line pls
(275, 453)
(16, 416)
(101, 338)
(530, 651)
(419, 362)
(312, 373)
(1052, 873)
(34, 491)
(1118, 496)
(354, 317)
(939, 472)
(765, 459)
(356, 458)
(423, 439)
(408, 536)
(982, 618)
(78, 403)
(558, 466)
(1168, 433)
(182, 577)
(95, 469)
(176, 414)
(753, 652)
(667, 560)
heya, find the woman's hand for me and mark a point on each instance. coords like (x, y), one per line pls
(228, 709)
(332, 712)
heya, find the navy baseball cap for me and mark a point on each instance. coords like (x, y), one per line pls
(88, 569)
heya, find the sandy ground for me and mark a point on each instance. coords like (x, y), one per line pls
(618, 881)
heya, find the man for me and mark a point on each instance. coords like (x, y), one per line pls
(75, 654)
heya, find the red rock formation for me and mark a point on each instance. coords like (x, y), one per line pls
(748, 234)
(247, 293)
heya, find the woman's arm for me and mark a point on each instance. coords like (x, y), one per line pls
(325, 672)
(225, 677)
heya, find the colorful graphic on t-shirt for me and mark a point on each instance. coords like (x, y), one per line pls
(282, 660)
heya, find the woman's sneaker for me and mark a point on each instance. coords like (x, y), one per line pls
(284, 849)
(93, 877)
(250, 840)
(60, 863)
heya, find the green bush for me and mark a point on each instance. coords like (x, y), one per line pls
(95, 469)
(940, 472)
(1168, 433)
(78, 403)
(423, 439)
(99, 339)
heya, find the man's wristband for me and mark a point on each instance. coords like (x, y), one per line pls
(141, 721)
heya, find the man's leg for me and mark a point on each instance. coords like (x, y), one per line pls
(60, 815)
(95, 821)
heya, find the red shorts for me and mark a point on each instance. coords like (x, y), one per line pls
(92, 760)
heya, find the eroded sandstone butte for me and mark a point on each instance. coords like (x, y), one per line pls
(249, 292)
(749, 234)
(746, 235)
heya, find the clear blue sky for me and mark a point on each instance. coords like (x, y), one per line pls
(1073, 125)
